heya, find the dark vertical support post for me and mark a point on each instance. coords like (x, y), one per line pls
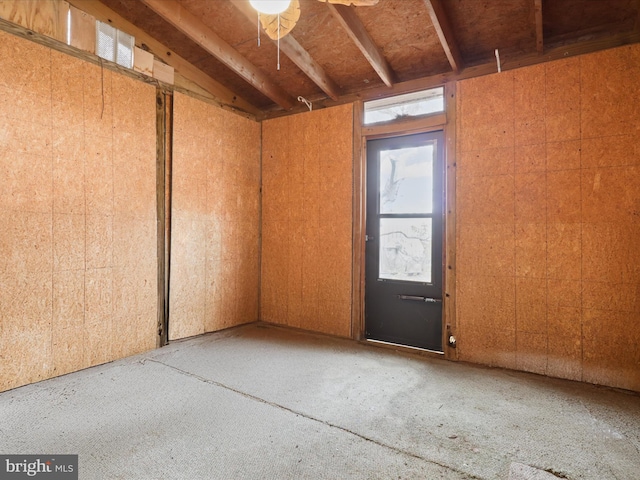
(357, 277)
(450, 325)
(164, 130)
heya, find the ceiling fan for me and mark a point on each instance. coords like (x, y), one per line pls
(278, 17)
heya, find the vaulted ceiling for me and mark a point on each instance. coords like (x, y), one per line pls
(338, 53)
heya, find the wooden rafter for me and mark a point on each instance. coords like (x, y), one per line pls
(298, 55)
(174, 13)
(186, 69)
(537, 8)
(355, 29)
(445, 33)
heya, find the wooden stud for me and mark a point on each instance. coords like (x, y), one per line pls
(178, 16)
(355, 29)
(359, 211)
(445, 33)
(226, 98)
(161, 122)
(537, 7)
(298, 55)
(449, 306)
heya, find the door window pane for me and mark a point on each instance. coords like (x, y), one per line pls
(405, 249)
(406, 180)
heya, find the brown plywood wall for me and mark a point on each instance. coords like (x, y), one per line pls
(307, 221)
(548, 218)
(215, 219)
(78, 268)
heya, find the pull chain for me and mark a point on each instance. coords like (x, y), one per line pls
(278, 41)
(258, 28)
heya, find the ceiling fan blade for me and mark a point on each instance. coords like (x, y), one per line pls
(288, 20)
(355, 3)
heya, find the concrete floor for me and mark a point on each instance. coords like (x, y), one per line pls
(269, 403)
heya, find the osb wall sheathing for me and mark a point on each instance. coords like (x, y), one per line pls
(78, 271)
(215, 231)
(307, 220)
(548, 212)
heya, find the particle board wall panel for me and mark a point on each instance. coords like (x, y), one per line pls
(215, 225)
(530, 250)
(68, 242)
(611, 151)
(576, 250)
(532, 352)
(488, 199)
(564, 196)
(530, 197)
(26, 66)
(610, 195)
(564, 155)
(530, 158)
(307, 172)
(62, 233)
(474, 163)
(612, 109)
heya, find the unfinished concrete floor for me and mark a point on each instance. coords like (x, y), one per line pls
(261, 402)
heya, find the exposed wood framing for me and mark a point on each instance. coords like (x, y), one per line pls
(359, 210)
(223, 95)
(163, 207)
(298, 55)
(355, 29)
(445, 33)
(537, 7)
(173, 12)
(449, 307)
(48, 17)
(470, 72)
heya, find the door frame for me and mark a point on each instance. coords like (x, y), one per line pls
(361, 134)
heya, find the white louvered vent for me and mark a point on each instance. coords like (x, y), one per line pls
(114, 45)
(106, 41)
(124, 53)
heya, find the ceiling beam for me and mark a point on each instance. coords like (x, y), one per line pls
(174, 13)
(298, 55)
(221, 93)
(355, 29)
(445, 33)
(537, 9)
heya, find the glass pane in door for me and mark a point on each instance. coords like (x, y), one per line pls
(406, 180)
(405, 249)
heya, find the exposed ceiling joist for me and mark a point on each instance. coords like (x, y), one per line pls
(445, 33)
(298, 55)
(185, 68)
(537, 8)
(173, 12)
(355, 29)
